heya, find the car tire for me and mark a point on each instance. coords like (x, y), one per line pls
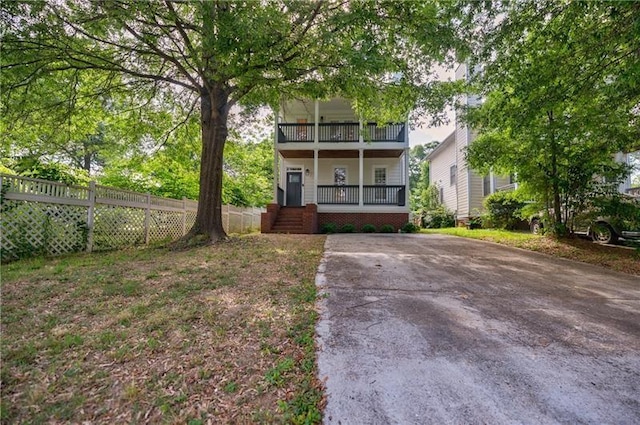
(603, 233)
(536, 226)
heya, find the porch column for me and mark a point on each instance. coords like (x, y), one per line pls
(406, 175)
(316, 125)
(276, 172)
(361, 176)
(315, 176)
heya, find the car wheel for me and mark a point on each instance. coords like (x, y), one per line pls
(536, 226)
(603, 233)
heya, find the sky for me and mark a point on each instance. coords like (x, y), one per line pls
(422, 134)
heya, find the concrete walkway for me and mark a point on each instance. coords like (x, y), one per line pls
(433, 329)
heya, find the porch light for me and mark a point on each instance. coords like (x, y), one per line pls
(307, 172)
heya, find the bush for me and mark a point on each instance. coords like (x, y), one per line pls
(504, 209)
(329, 228)
(368, 228)
(438, 218)
(410, 228)
(348, 228)
(386, 228)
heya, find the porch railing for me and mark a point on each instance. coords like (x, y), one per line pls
(280, 196)
(338, 195)
(296, 132)
(384, 195)
(340, 132)
(371, 195)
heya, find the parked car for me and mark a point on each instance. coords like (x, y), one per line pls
(604, 230)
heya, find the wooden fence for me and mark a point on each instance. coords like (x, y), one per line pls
(44, 217)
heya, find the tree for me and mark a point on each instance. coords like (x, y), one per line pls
(561, 92)
(210, 56)
(417, 160)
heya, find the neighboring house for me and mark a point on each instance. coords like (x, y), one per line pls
(461, 189)
(330, 167)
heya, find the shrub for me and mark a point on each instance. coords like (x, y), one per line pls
(438, 218)
(348, 228)
(504, 209)
(368, 228)
(329, 228)
(386, 228)
(410, 228)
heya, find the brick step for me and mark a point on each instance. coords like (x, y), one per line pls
(281, 220)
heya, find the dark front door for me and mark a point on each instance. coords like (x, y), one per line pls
(294, 189)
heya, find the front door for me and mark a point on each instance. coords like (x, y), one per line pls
(294, 189)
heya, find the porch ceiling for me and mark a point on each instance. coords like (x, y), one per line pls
(343, 153)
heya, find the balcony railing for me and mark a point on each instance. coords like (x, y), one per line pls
(340, 132)
(295, 133)
(384, 195)
(338, 195)
(372, 195)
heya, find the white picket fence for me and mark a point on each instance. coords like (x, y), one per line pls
(44, 217)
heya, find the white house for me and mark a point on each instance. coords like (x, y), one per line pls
(462, 190)
(330, 167)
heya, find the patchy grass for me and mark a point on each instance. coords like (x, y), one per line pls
(217, 334)
(612, 257)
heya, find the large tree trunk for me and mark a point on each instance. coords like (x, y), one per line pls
(214, 114)
(555, 185)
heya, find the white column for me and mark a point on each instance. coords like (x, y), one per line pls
(315, 176)
(361, 176)
(316, 135)
(406, 174)
(276, 172)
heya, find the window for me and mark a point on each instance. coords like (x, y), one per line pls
(486, 185)
(380, 179)
(340, 176)
(442, 195)
(452, 175)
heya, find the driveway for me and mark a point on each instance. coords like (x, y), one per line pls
(434, 329)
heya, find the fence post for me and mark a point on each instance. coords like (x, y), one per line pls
(147, 219)
(184, 216)
(90, 215)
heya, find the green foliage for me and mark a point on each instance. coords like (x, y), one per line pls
(419, 166)
(556, 127)
(152, 62)
(410, 228)
(504, 209)
(34, 168)
(348, 228)
(386, 228)
(437, 218)
(368, 228)
(329, 228)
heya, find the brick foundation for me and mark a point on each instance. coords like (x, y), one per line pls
(397, 220)
(267, 219)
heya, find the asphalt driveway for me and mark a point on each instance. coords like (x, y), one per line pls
(434, 329)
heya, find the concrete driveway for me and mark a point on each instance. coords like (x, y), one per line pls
(434, 329)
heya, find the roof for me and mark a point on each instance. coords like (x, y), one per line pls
(447, 141)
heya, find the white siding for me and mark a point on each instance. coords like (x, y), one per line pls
(439, 173)
(462, 187)
(476, 196)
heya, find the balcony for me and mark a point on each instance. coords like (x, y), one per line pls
(340, 132)
(372, 195)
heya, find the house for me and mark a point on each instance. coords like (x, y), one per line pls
(462, 190)
(331, 167)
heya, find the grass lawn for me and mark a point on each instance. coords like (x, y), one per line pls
(221, 334)
(612, 257)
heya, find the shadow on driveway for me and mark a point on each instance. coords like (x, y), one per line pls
(434, 329)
